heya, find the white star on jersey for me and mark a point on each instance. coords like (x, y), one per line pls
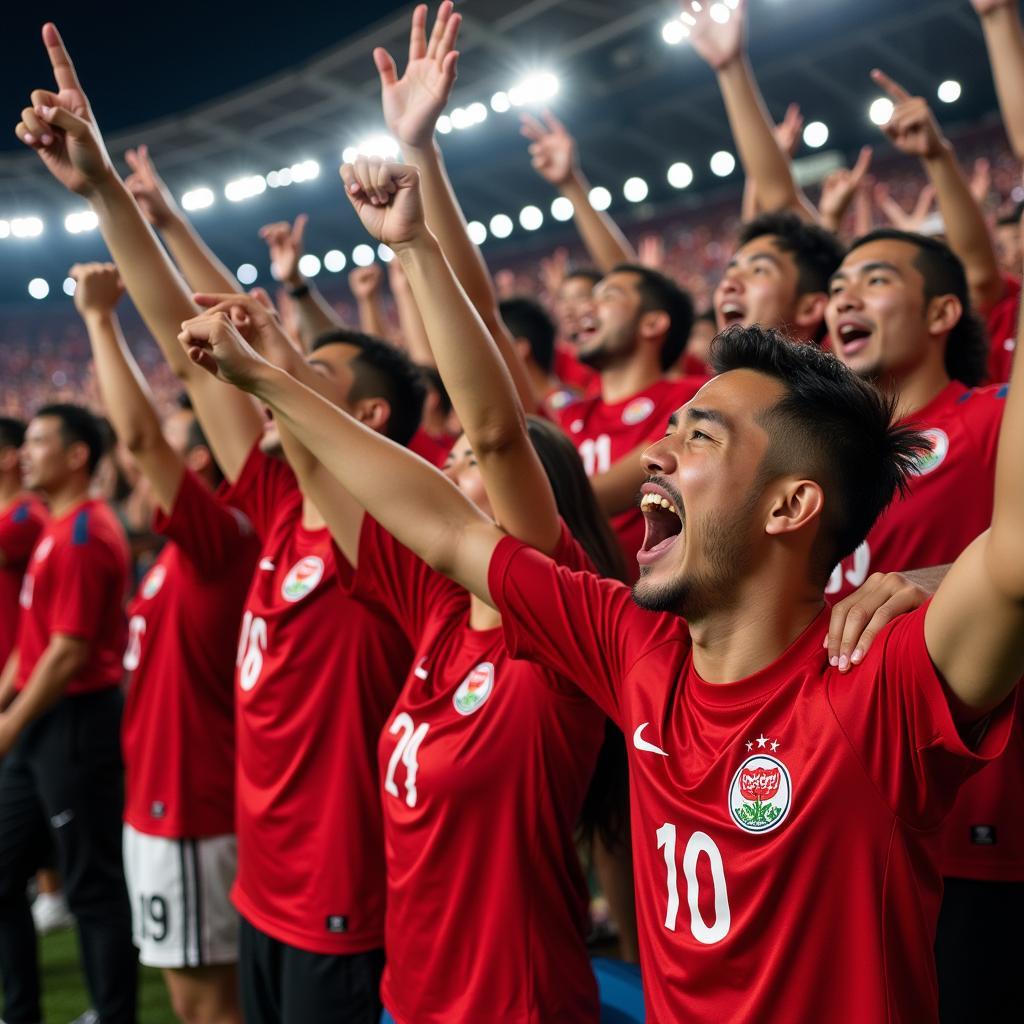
(762, 741)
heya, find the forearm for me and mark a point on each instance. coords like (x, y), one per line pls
(313, 313)
(50, 677)
(7, 677)
(616, 489)
(1004, 39)
(749, 207)
(606, 244)
(410, 323)
(1006, 537)
(927, 579)
(202, 270)
(371, 316)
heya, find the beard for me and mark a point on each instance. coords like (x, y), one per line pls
(612, 347)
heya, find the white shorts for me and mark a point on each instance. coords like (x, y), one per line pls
(181, 914)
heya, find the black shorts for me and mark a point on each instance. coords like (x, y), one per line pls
(281, 984)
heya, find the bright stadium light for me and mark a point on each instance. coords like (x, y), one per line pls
(816, 134)
(444, 124)
(309, 265)
(5, 229)
(719, 13)
(562, 208)
(477, 232)
(197, 199)
(534, 90)
(383, 146)
(477, 113)
(80, 221)
(385, 253)
(501, 225)
(950, 90)
(38, 288)
(880, 111)
(635, 190)
(26, 227)
(247, 274)
(461, 119)
(349, 154)
(305, 170)
(680, 175)
(69, 286)
(362, 255)
(248, 187)
(530, 218)
(334, 261)
(600, 198)
(500, 103)
(723, 163)
(674, 32)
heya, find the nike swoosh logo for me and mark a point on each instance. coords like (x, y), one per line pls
(267, 564)
(641, 744)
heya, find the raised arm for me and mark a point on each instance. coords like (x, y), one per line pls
(387, 200)
(840, 188)
(410, 323)
(61, 128)
(787, 135)
(723, 47)
(365, 284)
(413, 501)
(1004, 38)
(912, 129)
(203, 271)
(125, 394)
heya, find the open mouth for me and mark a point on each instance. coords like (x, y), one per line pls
(853, 338)
(731, 313)
(588, 328)
(664, 525)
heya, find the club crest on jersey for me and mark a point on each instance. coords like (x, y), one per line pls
(474, 689)
(153, 582)
(939, 441)
(302, 578)
(637, 411)
(760, 794)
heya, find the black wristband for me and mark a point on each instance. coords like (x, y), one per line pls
(299, 292)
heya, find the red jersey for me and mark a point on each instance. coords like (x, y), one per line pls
(485, 762)
(780, 823)
(317, 675)
(605, 433)
(574, 374)
(1001, 324)
(434, 449)
(948, 502)
(21, 522)
(178, 731)
(75, 585)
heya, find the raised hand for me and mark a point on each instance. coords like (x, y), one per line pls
(553, 149)
(839, 188)
(213, 341)
(553, 271)
(900, 218)
(983, 7)
(365, 282)
(719, 44)
(386, 198)
(152, 195)
(61, 128)
(413, 103)
(651, 252)
(284, 241)
(981, 180)
(912, 129)
(787, 131)
(98, 288)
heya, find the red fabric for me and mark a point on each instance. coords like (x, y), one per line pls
(178, 731)
(948, 504)
(317, 675)
(605, 433)
(75, 585)
(487, 907)
(572, 373)
(783, 832)
(21, 522)
(434, 450)
(1001, 324)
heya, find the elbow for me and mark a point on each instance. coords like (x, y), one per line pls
(1004, 562)
(139, 440)
(497, 435)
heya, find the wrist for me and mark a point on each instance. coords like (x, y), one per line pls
(106, 189)
(940, 153)
(98, 317)
(422, 241)
(296, 286)
(729, 65)
(575, 187)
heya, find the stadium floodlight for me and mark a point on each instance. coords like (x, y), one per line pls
(530, 218)
(444, 124)
(248, 187)
(197, 199)
(880, 111)
(383, 146)
(80, 221)
(722, 163)
(362, 255)
(309, 265)
(635, 190)
(461, 119)
(349, 154)
(501, 225)
(674, 32)
(38, 288)
(69, 286)
(477, 232)
(680, 175)
(500, 103)
(27, 227)
(477, 112)
(816, 134)
(562, 208)
(246, 274)
(950, 90)
(385, 253)
(5, 229)
(334, 261)
(534, 90)
(600, 198)
(305, 170)
(720, 13)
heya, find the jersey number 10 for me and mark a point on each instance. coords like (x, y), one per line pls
(699, 842)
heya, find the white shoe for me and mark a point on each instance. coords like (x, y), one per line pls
(50, 913)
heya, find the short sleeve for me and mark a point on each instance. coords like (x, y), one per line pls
(19, 532)
(580, 626)
(896, 712)
(212, 535)
(262, 487)
(89, 583)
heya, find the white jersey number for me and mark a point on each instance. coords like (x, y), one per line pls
(406, 749)
(596, 453)
(699, 842)
(859, 570)
(133, 652)
(251, 645)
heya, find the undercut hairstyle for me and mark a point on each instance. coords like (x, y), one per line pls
(659, 293)
(967, 347)
(591, 274)
(79, 426)
(12, 432)
(381, 370)
(831, 427)
(432, 381)
(526, 318)
(816, 252)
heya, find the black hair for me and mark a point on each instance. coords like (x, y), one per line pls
(591, 274)
(967, 347)
(816, 252)
(383, 371)
(527, 318)
(78, 425)
(659, 292)
(829, 426)
(195, 437)
(1012, 218)
(12, 432)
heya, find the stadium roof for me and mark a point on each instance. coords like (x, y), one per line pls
(636, 104)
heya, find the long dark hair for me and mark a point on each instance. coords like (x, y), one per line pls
(605, 810)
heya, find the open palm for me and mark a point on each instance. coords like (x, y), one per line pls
(717, 42)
